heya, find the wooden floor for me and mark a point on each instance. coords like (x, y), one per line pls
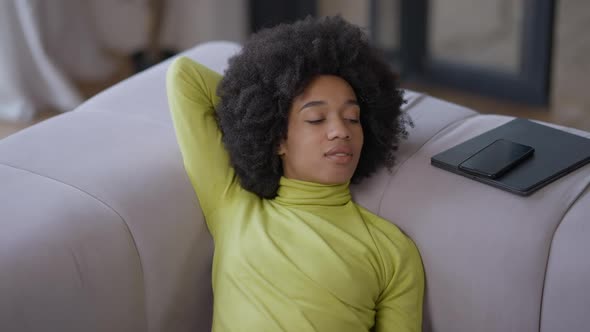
(570, 99)
(9, 128)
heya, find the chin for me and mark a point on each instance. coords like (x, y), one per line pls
(333, 179)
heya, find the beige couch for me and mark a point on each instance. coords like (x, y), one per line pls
(100, 229)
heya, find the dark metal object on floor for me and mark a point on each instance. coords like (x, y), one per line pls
(153, 53)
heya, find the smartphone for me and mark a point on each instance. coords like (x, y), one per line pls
(497, 158)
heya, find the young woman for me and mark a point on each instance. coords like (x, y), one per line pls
(271, 148)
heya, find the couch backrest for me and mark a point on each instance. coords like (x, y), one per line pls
(494, 261)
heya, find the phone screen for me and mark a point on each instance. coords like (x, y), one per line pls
(497, 158)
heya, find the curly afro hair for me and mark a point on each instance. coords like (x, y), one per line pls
(275, 66)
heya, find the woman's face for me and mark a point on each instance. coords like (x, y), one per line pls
(324, 133)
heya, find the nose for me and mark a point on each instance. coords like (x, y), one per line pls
(338, 129)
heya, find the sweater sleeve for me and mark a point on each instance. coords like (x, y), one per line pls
(399, 307)
(192, 98)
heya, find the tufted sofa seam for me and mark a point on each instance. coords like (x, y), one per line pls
(98, 200)
(582, 192)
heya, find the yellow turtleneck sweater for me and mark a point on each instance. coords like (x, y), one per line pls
(309, 259)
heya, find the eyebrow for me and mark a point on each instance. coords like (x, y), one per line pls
(321, 102)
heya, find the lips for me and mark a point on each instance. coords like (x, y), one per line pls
(340, 154)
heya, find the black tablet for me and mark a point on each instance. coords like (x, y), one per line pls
(556, 153)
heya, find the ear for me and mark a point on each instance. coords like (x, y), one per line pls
(282, 149)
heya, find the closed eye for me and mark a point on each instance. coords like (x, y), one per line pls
(315, 121)
(353, 120)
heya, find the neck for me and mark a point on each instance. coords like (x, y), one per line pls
(297, 192)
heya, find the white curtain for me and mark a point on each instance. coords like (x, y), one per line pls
(29, 78)
(47, 44)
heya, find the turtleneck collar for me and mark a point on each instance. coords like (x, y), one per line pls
(296, 192)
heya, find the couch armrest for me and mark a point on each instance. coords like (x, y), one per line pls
(67, 260)
(98, 200)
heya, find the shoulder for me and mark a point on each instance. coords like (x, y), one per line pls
(382, 224)
(402, 263)
(387, 233)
